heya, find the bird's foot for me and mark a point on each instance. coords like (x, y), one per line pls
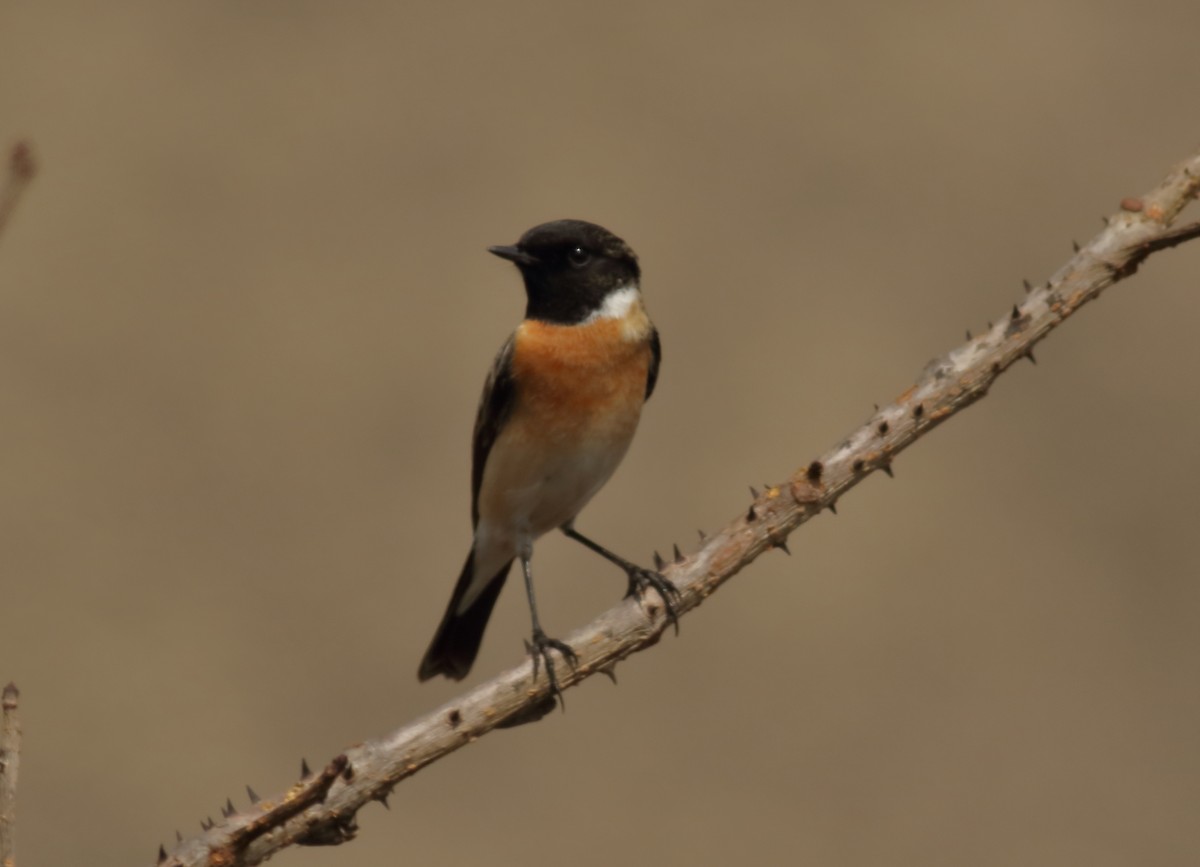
(640, 579)
(539, 650)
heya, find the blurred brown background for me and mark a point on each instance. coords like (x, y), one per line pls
(245, 313)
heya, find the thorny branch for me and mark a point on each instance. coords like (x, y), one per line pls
(10, 760)
(20, 172)
(322, 809)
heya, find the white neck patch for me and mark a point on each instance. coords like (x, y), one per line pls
(617, 304)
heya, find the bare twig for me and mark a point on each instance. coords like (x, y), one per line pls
(21, 169)
(948, 385)
(10, 761)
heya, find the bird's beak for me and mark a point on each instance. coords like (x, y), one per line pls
(513, 254)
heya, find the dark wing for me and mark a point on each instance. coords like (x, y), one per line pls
(655, 361)
(494, 409)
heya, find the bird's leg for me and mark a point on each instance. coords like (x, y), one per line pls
(541, 644)
(639, 577)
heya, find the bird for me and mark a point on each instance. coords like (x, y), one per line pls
(559, 409)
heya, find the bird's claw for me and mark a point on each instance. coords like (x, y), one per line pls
(640, 579)
(539, 651)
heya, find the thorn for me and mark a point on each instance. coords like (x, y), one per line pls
(1016, 314)
(678, 556)
(228, 810)
(918, 410)
(814, 471)
(1104, 219)
(304, 769)
(254, 799)
(833, 508)
(781, 544)
(162, 853)
(1028, 285)
(207, 825)
(178, 836)
(659, 562)
(702, 535)
(969, 334)
(751, 514)
(876, 407)
(383, 800)
(887, 468)
(609, 671)
(883, 428)
(1075, 244)
(1029, 355)
(753, 492)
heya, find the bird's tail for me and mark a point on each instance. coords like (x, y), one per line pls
(456, 642)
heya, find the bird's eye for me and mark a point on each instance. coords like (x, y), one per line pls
(578, 256)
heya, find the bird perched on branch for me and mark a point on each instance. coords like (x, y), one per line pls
(559, 410)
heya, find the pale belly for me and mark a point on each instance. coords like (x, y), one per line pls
(541, 484)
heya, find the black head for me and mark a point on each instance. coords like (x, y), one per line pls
(569, 268)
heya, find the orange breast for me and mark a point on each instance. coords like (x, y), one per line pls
(578, 381)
